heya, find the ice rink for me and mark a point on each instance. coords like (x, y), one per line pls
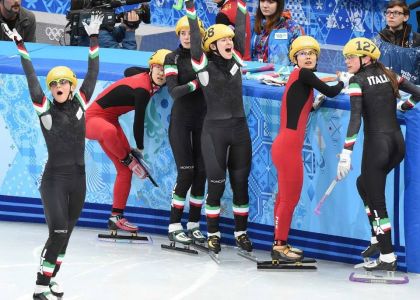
(93, 269)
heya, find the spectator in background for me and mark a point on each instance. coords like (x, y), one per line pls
(227, 16)
(274, 32)
(414, 6)
(398, 44)
(19, 18)
(122, 36)
(397, 30)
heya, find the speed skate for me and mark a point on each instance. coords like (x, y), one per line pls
(131, 237)
(378, 272)
(247, 254)
(117, 224)
(387, 277)
(306, 264)
(179, 236)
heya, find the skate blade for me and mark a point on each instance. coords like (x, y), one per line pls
(247, 255)
(306, 264)
(214, 257)
(364, 263)
(375, 278)
(201, 247)
(172, 247)
(134, 239)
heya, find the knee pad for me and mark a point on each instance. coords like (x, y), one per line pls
(199, 183)
(184, 181)
(54, 245)
(216, 187)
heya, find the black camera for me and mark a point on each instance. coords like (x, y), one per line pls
(81, 11)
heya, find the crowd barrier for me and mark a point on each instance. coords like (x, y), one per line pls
(339, 233)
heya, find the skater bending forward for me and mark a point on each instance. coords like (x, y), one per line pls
(287, 147)
(225, 139)
(124, 95)
(374, 91)
(63, 185)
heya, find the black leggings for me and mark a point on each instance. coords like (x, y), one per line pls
(381, 153)
(63, 193)
(184, 137)
(227, 144)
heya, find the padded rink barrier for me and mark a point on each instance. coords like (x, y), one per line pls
(412, 190)
(340, 234)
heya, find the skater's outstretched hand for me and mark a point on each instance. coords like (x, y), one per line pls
(95, 23)
(318, 100)
(344, 165)
(344, 77)
(404, 105)
(12, 34)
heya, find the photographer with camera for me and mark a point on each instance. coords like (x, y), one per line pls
(121, 36)
(15, 16)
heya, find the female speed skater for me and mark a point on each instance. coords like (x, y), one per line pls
(374, 91)
(185, 126)
(225, 140)
(287, 147)
(124, 95)
(63, 185)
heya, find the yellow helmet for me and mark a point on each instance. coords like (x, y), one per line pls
(61, 72)
(362, 46)
(303, 42)
(158, 58)
(183, 24)
(214, 33)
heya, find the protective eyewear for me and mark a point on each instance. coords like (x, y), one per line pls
(393, 13)
(306, 53)
(62, 81)
(351, 56)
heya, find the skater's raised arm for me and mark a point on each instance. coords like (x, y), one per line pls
(88, 86)
(37, 95)
(198, 57)
(240, 30)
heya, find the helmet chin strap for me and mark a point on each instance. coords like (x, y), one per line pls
(70, 95)
(155, 86)
(362, 65)
(217, 52)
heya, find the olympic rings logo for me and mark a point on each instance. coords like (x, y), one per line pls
(54, 33)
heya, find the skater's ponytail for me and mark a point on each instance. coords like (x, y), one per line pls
(392, 78)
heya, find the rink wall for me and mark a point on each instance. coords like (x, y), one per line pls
(340, 233)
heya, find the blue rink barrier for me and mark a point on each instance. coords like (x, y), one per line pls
(339, 234)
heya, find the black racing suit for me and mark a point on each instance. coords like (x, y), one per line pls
(185, 127)
(226, 142)
(371, 97)
(63, 185)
